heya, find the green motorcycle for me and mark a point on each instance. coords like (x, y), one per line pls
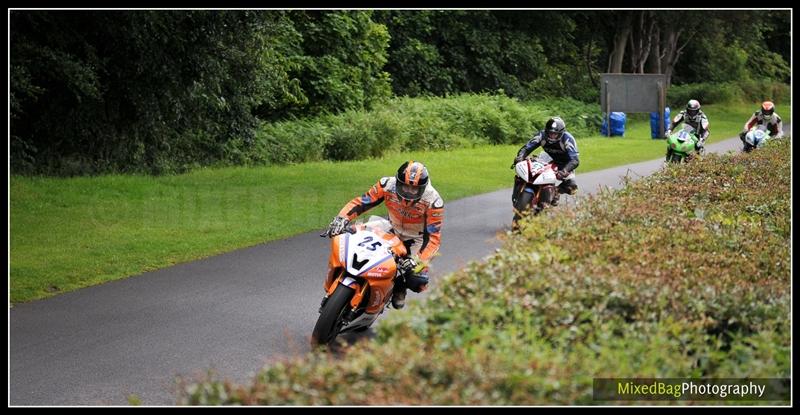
(681, 145)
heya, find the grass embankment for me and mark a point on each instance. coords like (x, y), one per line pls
(69, 233)
(685, 274)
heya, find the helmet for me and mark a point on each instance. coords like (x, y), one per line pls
(693, 108)
(554, 129)
(412, 178)
(767, 109)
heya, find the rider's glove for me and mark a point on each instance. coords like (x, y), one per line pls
(405, 265)
(337, 226)
(562, 174)
(516, 160)
(667, 133)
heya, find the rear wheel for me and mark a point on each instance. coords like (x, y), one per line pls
(332, 315)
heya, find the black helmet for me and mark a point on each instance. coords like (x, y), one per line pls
(554, 129)
(412, 178)
(692, 108)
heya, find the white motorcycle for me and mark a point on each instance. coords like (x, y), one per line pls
(540, 185)
(755, 138)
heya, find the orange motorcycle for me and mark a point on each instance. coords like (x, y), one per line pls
(361, 271)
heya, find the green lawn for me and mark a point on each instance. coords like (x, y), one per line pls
(68, 233)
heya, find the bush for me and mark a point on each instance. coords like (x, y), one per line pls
(290, 142)
(745, 91)
(361, 136)
(764, 90)
(706, 93)
(413, 124)
(582, 119)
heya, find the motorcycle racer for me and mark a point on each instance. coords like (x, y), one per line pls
(766, 115)
(562, 148)
(416, 212)
(696, 118)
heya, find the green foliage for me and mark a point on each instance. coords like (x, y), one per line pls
(440, 53)
(363, 138)
(706, 93)
(727, 62)
(731, 47)
(718, 93)
(545, 54)
(682, 274)
(734, 62)
(437, 52)
(165, 91)
(763, 90)
(564, 80)
(110, 93)
(410, 124)
(343, 57)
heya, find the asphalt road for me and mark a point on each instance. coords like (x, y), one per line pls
(232, 312)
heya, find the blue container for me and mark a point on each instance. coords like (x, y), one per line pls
(617, 124)
(654, 122)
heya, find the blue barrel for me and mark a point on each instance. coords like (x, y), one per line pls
(654, 122)
(617, 124)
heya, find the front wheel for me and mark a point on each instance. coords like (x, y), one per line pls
(675, 158)
(521, 208)
(331, 316)
(546, 195)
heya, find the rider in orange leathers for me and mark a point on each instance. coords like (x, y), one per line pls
(416, 212)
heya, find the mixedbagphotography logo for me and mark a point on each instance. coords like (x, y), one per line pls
(683, 389)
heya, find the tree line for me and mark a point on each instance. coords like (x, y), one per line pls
(138, 90)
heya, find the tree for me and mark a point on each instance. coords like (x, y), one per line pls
(343, 55)
(161, 91)
(621, 35)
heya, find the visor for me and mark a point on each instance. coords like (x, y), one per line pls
(692, 113)
(409, 192)
(553, 136)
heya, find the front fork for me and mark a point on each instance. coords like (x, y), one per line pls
(359, 287)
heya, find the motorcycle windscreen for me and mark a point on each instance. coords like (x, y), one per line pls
(546, 176)
(756, 137)
(535, 172)
(522, 169)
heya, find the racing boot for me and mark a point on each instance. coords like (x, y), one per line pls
(399, 299)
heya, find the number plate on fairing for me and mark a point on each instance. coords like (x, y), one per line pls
(364, 251)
